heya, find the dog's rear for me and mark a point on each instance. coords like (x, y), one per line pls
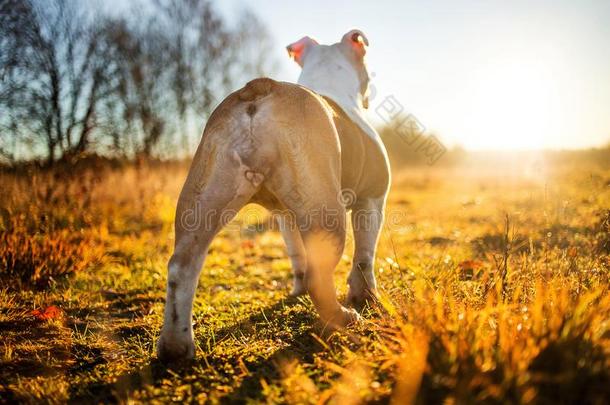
(273, 137)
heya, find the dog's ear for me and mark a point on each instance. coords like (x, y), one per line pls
(357, 41)
(297, 50)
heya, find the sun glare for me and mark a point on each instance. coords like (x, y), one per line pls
(512, 107)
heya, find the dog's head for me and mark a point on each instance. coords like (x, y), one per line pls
(337, 70)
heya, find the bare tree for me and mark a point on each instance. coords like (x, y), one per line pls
(253, 47)
(73, 81)
(208, 58)
(54, 74)
(143, 109)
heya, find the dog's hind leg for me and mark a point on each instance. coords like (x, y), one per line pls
(323, 233)
(296, 252)
(320, 220)
(202, 211)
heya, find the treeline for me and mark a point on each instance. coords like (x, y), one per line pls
(140, 82)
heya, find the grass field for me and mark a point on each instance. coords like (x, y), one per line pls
(494, 283)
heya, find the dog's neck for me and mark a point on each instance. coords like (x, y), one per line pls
(329, 74)
(326, 71)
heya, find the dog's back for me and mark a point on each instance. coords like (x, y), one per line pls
(275, 128)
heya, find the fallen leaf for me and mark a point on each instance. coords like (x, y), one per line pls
(572, 251)
(50, 312)
(247, 244)
(468, 268)
(470, 264)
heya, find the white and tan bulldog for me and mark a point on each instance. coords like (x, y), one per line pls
(306, 153)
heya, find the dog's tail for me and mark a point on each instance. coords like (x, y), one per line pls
(257, 88)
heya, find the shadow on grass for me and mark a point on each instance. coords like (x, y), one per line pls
(28, 361)
(301, 345)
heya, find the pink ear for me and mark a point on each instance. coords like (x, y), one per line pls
(297, 50)
(357, 41)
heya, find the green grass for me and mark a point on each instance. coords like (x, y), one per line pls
(472, 310)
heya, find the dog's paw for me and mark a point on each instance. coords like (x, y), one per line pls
(340, 318)
(298, 290)
(345, 317)
(361, 299)
(351, 316)
(175, 350)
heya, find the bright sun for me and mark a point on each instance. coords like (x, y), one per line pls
(512, 106)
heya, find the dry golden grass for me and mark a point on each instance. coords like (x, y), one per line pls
(494, 285)
(39, 259)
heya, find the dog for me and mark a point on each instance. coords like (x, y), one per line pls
(304, 151)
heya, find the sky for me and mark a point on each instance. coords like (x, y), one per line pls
(483, 74)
